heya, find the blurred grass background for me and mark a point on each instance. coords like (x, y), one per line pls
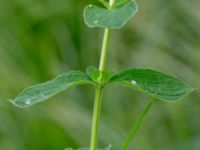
(41, 38)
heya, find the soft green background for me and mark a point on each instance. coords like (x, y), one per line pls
(41, 38)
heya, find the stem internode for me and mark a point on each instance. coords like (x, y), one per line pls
(99, 91)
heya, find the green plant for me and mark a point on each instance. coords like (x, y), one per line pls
(111, 15)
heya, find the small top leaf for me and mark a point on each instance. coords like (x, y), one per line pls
(154, 83)
(119, 3)
(41, 92)
(93, 73)
(113, 18)
(105, 3)
(106, 75)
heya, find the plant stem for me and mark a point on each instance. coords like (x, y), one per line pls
(137, 126)
(99, 89)
(96, 115)
(99, 92)
(104, 50)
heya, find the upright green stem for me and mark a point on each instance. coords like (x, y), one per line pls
(99, 92)
(99, 89)
(96, 115)
(104, 50)
(136, 126)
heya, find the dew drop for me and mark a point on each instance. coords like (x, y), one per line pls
(28, 102)
(134, 82)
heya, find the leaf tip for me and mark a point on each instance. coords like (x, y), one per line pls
(25, 104)
(10, 100)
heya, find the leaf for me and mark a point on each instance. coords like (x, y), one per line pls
(41, 92)
(106, 148)
(119, 3)
(93, 73)
(113, 18)
(106, 75)
(105, 3)
(154, 83)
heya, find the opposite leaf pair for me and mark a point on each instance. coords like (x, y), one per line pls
(156, 84)
(151, 82)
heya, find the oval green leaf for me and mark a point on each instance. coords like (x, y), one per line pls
(41, 92)
(113, 18)
(156, 84)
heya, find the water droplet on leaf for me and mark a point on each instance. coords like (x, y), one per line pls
(28, 102)
(134, 82)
